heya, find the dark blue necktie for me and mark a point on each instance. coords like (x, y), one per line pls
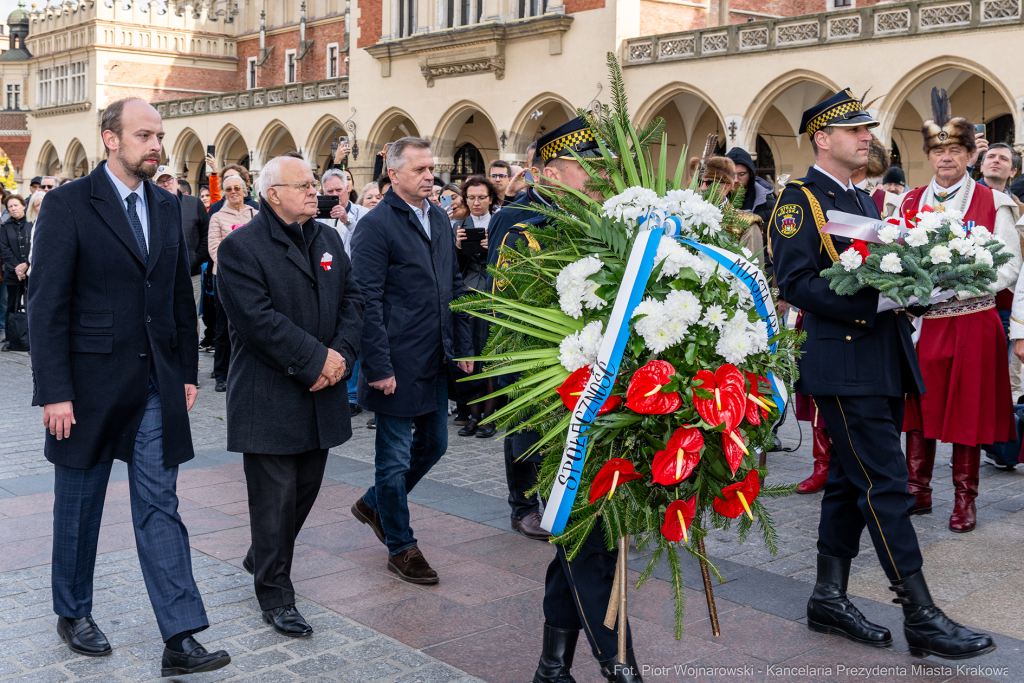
(133, 218)
(856, 200)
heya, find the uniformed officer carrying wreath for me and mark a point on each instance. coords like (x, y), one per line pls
(858, 362)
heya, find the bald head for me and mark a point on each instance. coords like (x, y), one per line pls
(133, 134)
(281, 184)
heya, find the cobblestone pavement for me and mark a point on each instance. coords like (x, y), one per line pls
(341, 651)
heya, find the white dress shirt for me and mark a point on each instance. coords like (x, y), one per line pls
(140, 206)
(354, 213)
(423, 213)
(849, 184)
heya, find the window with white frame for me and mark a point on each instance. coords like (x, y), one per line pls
(842, 4)
(60, 84)
(532, 8)
(78, 93)
(406, 17)
(250, 71)
(14, 95)
(289, 66)
(44, 88)
(332, 61)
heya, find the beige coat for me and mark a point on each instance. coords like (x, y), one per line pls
(223, 222)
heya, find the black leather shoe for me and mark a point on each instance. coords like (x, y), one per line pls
(929, 631)
(469, 429)
(556, 657)
(248, 564)
(614, 672)
(830, 611)
(486, 431)
(221, 386)
(83, 636)
(195, 659)
(354, 409)
(287, 621)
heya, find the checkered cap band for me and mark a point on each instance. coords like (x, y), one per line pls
(832, 115)
(558, 147)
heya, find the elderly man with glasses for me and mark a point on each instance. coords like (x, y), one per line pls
(295, 319)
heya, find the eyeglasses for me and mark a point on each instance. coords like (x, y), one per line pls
(234, 189)
(477, 200)
(499, 176)
(163, 182)
(47, 187)
(305, 187)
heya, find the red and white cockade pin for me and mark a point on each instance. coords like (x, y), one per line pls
(326, 260)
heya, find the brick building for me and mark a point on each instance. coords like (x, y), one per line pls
(482, 78)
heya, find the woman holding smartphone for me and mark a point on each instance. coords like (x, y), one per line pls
(480, 198)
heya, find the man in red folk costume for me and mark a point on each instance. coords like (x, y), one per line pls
(962, 350)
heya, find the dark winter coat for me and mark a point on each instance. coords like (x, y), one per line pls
(15, 242)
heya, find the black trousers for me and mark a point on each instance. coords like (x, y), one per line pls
(521, 473)
(282, 490)
(222, 343)
(867, 483)
(13, 293)
(576, 594)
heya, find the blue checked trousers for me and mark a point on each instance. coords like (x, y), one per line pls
(160, 535)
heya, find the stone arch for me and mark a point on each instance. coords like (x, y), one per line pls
(774, 117)
(689, 115)
(393, 124)
(275, 140)
(318, 144)
(554, 110)
(230, 147)
(908, 104)
(188, 156)
(48, 161)
(464, 123)
(76, 161)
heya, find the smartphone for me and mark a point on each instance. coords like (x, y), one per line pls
(210, 151)
(324, 204)
(446, 201)
(979, 129)
(344, 139)
(475, 234)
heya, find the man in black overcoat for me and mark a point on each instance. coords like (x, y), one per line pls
(858, 361)
(295, 317)
(114, 342)
(406, 266)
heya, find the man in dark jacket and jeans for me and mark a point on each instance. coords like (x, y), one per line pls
(195, 222)
(295, 330)
(406, 266)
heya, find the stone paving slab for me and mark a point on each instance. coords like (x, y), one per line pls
(340, 650)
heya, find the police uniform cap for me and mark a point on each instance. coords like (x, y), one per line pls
(842, 109)
(572, 136)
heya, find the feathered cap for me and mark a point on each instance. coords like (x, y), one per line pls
(878, 159)
(719, 170)
(943, 128)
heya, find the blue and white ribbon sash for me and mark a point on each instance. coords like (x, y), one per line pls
(604, 372)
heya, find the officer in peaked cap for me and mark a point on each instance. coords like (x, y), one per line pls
(576, 593)
(858, 361)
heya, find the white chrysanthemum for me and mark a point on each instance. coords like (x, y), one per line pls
(889, 234)
(891, 264)
(575, 291)
(740, 338)
(851, 259)
(980, 235)
(941, 254)
(674, 257)
(952, 215)
(581, 348)
(734, 347)
(683, 307)
(714, 317)
(982, 255)
(917, 237)
(736, 286)
(961, 246)
(956, 228)
(707, 268)
(631, 204)
(694, 211)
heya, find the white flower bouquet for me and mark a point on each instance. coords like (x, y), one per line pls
(925, 251)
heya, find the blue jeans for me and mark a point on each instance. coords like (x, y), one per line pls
(404, 456)
(353, 383)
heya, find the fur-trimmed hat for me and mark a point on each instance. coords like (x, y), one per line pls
(878, 159)
(720, 169)
(943, 128)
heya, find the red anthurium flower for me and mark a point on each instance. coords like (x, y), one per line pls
(862, 248)
(756, 406)
(615, 472)
(729, 401)
(675, 463)
(678, 518)
(574, 385)
(738, 497)
(644, 394)
(735, 449)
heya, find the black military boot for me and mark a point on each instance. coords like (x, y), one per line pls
(614, 672)
(556, 658)
(830, 611)
(929, 631)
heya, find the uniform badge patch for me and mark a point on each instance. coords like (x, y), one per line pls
(788, 219)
